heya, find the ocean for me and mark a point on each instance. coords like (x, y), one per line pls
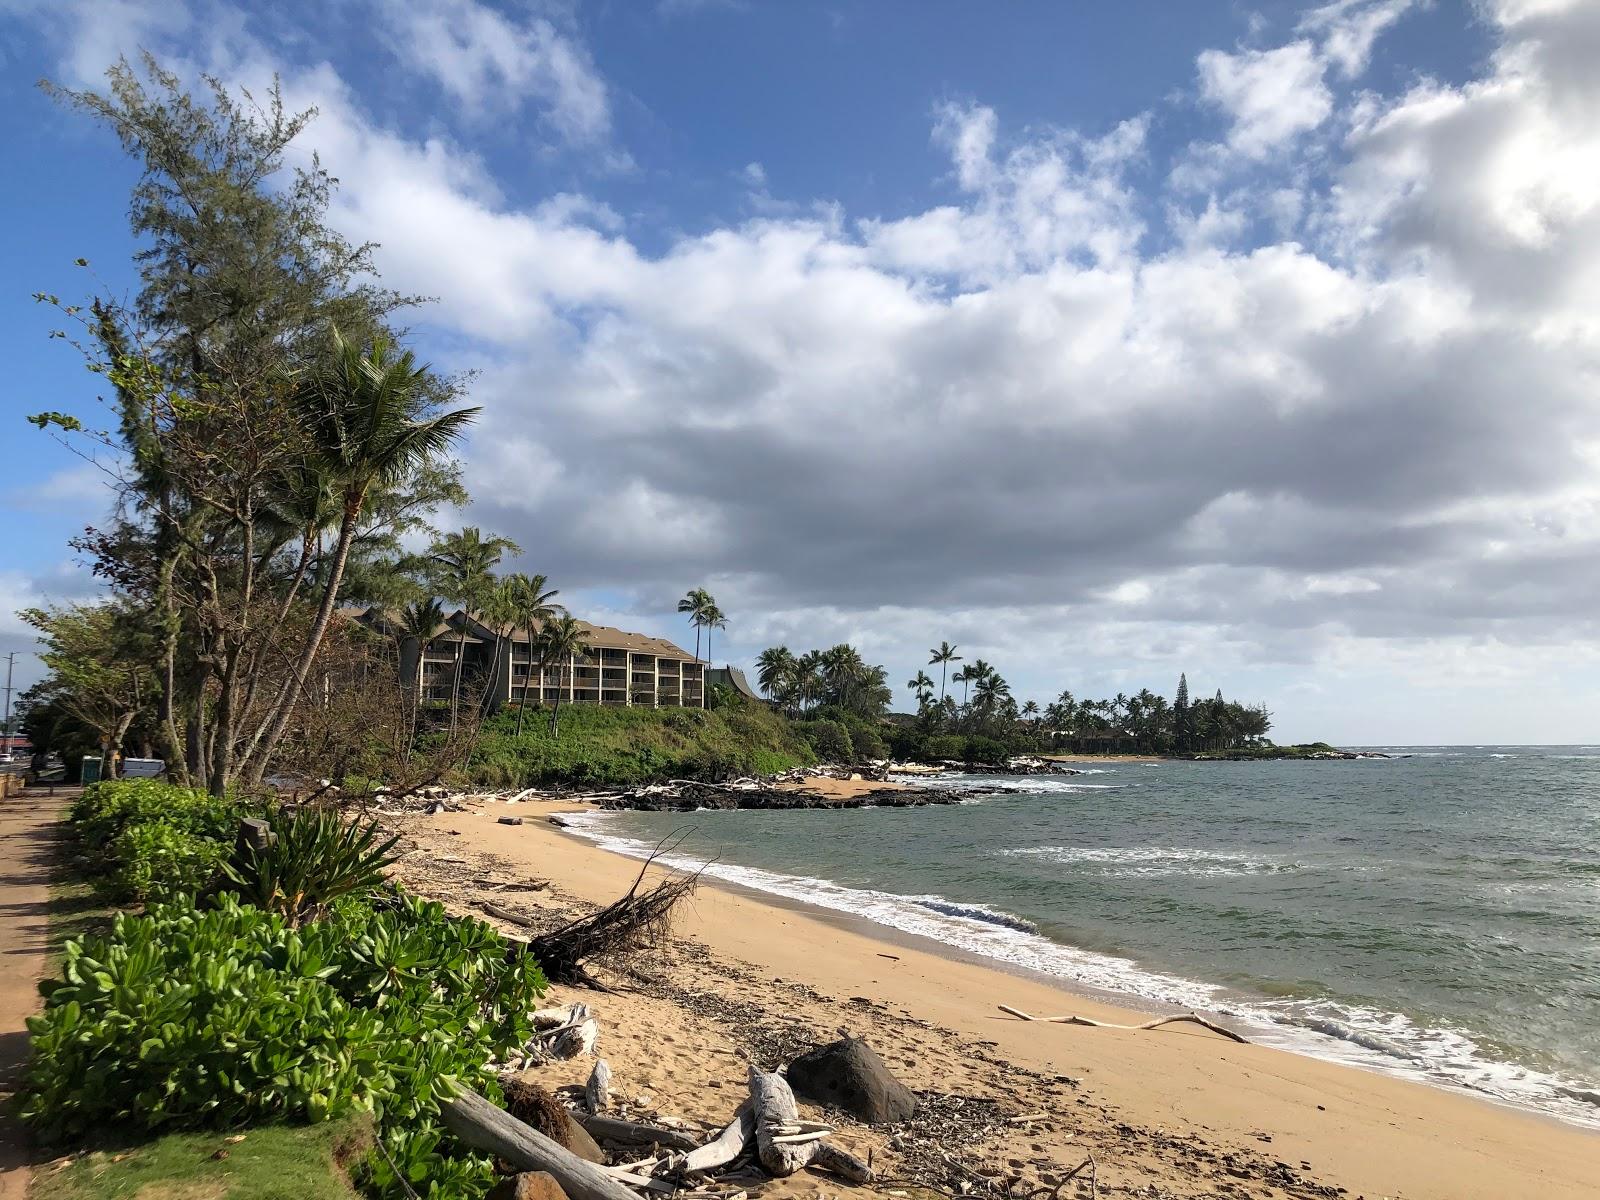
(1435, 914)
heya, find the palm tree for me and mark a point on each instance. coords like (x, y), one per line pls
(359, 413)
(922, 686)
(809, 682)
(694, 603)
(775, 674)
(712, 618)
(561, 638)
(1030, 710)
(944, 656)
(419, 622)
(531, 607)
(466, 561)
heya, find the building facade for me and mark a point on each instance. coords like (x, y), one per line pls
(622, 669)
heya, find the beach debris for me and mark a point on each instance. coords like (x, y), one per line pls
(623, 1132)
(597, 1091)
(506, 914)
(509, 820)
(532, 1105)
(1192, 1018)
(848, 1074)
(783, 1144)
(637, 921)
(491, 1129)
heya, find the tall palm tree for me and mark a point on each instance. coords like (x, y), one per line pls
(775, 674)
(466, 562)
(921, 685)
(1030, 710)
(944, 656)
(419, 622)
(531, 603)
(694, 604)
(561, 638)
(361, 414)
(712, 618)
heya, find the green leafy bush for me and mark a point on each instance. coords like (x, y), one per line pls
(189, 1016)
(148, 838)
(945, 746)
(313, 860)
(830, 739)
(156, 859)
(980, 749)
(616, 747)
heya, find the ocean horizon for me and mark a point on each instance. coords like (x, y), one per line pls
(1431, 914)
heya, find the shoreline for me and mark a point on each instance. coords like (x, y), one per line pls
(1370, 1132)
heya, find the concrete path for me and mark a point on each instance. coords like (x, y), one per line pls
(29, 827)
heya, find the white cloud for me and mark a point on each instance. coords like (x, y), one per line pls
(1016, 420)
(1349, 28)
(493, 63)
(1271, 96)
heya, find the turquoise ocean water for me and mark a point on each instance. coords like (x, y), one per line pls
(1435, 915)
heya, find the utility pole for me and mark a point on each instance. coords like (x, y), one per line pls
(10, 661)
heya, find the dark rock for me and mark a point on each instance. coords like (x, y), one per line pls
(511, 820)
(849, 1075)
(530, 1185)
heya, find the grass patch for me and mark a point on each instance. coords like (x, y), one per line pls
(613, 747)
(272, 1162)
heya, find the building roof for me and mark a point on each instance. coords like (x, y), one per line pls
(600, 637)
(608, 637)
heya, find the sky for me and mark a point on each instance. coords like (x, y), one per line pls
(1259, 342)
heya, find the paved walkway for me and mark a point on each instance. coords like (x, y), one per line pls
(29, 825)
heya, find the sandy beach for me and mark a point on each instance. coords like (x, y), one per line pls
(1177, 1112)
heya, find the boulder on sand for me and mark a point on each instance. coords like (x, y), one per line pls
(849, 1075)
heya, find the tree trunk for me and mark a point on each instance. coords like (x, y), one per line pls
(308, 654)
(455, 678)
(555, 716)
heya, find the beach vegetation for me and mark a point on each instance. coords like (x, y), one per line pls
(619, 747)
(297, 990)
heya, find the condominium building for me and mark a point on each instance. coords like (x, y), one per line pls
(621, 668)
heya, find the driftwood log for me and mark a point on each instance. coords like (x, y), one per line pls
(1192, 1018)
(841, 1163)
(485, 1127)
(783, 1145)
(633, 1133)
(597, 1092)
(726, 1146)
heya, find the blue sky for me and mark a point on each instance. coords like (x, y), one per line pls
(1109, 341)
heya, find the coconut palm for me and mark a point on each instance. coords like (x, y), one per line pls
(922, 686)
(531, 607)
(561, 638)
(466, 562)
(712, 618)
(419, 622)
(695, 603)
(1030, 710)
(775, 674)
(944, 656)
(360, 412)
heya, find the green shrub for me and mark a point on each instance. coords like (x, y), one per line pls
(313, 860)
(943, 746)
(106, 809)
(186, 1017)
(830, 739)
(619, 747)
(156, 859)
(980, 749)
(148, 838)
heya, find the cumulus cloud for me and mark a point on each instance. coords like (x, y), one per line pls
(491, 62)
(1270, 95)
(1031, 421)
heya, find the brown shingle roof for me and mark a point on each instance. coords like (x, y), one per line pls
(607, 637)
